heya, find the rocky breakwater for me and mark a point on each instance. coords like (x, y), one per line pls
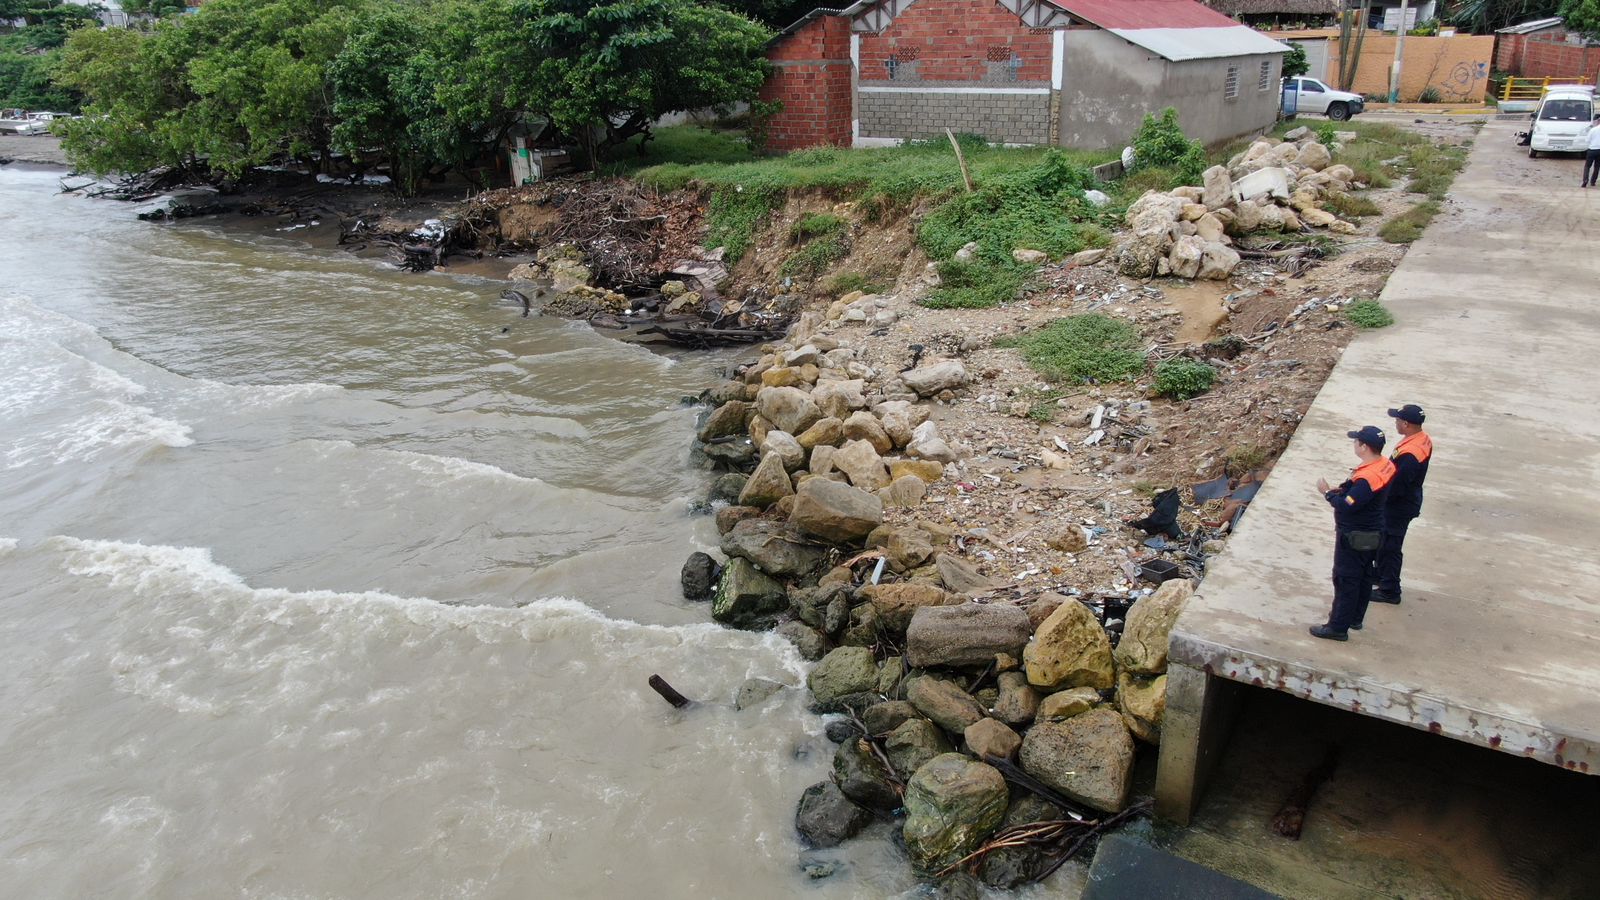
(1270, 188)
(959, 712)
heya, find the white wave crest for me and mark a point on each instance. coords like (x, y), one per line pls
(453, 467)
(108, 425)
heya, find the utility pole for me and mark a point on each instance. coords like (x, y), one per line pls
(1399, 53)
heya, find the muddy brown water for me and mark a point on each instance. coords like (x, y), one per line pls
(318, 579)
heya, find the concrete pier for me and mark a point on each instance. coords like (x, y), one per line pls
(1497, 641)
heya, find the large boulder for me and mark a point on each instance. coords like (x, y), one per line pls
(835, 512)
(1143, 701)
(938, 375)
(908, 548)
(898, 603)
(1184, 257)
(1018, 702)
(787, 408)
(822, 433)
(844, 671)
(1217, 261)
(808, 641)
(1089, 758)
(1218, 187)
(768, 484)
(862, 464)
(827, 818)
(775, 547)
(1070, 649)
(864, 426)
(838, 397)
(1145, 633)
(962, 577)
(729, 419)
(1313, 156)
(913, 743)
(1068, 703)
(952, 805)
(748, 597)
(1153, 226)
(927, 443)
(987, 738)
(786, 447)
(863, 777)
(899, 418)
(947, 705)
(882, 718)
(905, 492)
(971, 634)
(1012, 867)
(699, 576)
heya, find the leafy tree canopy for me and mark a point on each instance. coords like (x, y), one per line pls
(1582, 16)
(1485, 16)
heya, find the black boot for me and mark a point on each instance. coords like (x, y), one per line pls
(1327, 633)
(1386, 597)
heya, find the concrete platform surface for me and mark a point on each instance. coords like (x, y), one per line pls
(1497, 641)
(1127, 869)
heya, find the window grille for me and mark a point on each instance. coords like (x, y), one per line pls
(1266, 76)
(1230, 88)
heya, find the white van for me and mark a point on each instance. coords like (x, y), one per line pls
(1563, 118)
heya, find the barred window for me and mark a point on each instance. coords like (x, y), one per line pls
(1266, 76)
(1230, 87)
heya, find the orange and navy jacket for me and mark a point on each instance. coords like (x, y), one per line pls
(1404, 501)
(1358, 503)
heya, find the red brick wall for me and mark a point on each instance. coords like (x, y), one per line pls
(1538, 55)
(955, 40)
(811, 76)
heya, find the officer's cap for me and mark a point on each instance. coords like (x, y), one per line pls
(1371, 435)
(1409, 413)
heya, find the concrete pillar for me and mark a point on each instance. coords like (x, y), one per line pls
(1194, 728)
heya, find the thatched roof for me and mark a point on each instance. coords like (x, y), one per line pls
(1279, 7)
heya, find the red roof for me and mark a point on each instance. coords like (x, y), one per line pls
(1134, 14)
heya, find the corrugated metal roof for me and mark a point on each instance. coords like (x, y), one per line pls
(1180, 44)
(1530, 27)
(1131, 14)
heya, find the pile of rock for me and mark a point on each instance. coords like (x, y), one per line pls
(1271, 187)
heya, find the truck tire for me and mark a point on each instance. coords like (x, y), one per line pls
(1532, 153)
(1339, 111)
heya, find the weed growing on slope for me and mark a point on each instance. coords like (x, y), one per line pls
(1351, 206)
(1085, 348)
(1408, 226)
(1162, 143)
(1369, 314)
(1181, 379)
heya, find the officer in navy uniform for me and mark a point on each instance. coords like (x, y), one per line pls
(1403, 501)
(1358, 507)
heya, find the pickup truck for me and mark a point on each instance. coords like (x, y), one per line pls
(1316, 97)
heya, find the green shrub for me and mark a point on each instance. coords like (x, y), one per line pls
(1326, 134)
(733, 217)
(1409, 225)
(1034, 207)
(1181, 378)
(845, 282)
(1083, 348)
(815, 225)
(1161, 142)
(1430, 94)
(1351, 206)
(1368, 314)
(978, 284)
(758, 124)
(814, 258)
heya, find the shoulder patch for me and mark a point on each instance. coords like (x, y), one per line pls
(1350, 500)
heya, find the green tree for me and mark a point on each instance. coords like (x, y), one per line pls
(1295, 62)
(156, 8)
(1582, 16)
(1485, 16)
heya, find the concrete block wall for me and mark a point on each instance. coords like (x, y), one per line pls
(811, 77)
(1007, 118)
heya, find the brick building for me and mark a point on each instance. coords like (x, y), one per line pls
(1078, 73)
(1545, 47)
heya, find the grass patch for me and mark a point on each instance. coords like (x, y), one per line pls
(1433, 169)
(846, 282)
(978, 284)
(680, 144)
(815, 225)
(1409, 225)
(1244, 458)
(1369, 314)
(1351, 206)
(1181, 379)
(733, 217)
(1080, 349)
(815, 257)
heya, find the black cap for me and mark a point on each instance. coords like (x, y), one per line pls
(1371, 435)
(1409, 413)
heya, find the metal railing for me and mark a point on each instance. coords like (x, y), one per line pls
(1517, 87)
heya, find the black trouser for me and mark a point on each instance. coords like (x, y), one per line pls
(1352, 583)
(1390, 556)
(1591, 166)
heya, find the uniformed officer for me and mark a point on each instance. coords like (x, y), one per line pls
(1403, 500)
(1358, 533)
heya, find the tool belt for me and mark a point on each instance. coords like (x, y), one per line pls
(1363, 541)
